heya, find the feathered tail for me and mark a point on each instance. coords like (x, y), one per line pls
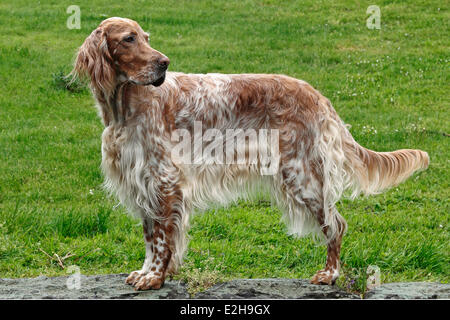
(374, 172)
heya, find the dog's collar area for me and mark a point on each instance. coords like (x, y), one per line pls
(116, 102)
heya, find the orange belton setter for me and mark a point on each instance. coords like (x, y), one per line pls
(142, 106)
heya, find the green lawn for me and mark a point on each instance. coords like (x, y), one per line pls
(391, 85)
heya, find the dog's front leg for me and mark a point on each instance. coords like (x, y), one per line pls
(157, 236)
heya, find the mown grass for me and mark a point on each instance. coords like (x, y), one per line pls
(390, 84)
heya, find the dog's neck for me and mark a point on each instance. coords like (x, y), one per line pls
(117, 104)
(113, 104)
(117, 107)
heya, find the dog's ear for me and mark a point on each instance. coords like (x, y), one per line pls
(94, 61)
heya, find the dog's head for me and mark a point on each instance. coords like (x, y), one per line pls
(118, 51)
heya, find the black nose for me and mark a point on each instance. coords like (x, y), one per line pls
(164, 62)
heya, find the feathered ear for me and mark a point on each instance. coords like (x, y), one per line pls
(94, 61)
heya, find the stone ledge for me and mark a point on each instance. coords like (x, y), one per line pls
(113, 287)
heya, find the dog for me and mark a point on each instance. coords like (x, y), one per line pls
(146, 110)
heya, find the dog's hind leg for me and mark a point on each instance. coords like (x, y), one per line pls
(330, 273)
(302, 195)
(332, 224)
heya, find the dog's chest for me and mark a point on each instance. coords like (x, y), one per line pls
(126, 150)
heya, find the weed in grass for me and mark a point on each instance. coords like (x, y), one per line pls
(200, 278)
(353, 280)
(63, 81)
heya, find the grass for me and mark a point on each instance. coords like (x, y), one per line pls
(390, 84)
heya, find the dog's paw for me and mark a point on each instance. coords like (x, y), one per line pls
(134, 277)
(325, 276)
(149, 281)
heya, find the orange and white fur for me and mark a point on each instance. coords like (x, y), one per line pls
(142, 105)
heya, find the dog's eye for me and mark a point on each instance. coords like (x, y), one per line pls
(129, 39)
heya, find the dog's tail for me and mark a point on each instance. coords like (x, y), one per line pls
(348, 166)
(372, 172)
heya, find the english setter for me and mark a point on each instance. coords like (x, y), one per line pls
(143, 107)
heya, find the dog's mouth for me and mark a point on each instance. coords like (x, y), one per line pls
(155, 83)
(159, 81)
